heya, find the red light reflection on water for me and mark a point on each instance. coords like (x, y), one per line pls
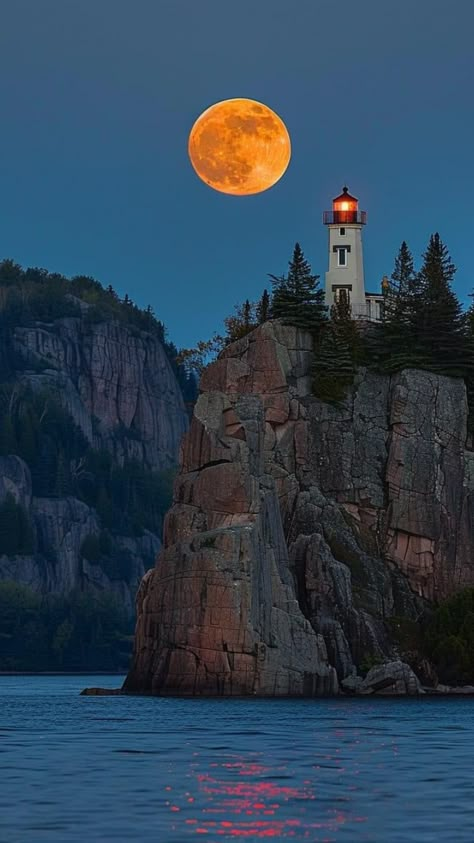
(255, 804)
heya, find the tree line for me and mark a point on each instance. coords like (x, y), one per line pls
(52, 632)
(35, 295)
(443, 637)
(423, 324)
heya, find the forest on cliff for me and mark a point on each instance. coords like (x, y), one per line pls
(68, 476)
(424, 325)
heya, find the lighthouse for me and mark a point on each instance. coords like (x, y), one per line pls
(345, 275)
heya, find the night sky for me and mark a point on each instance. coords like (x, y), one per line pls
(97, 98)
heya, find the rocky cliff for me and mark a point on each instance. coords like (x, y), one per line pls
(117, 387)
(116, 382)
(300, 531)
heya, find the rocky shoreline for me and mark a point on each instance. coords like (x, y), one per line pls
(395, 679)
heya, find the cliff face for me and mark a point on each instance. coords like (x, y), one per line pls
(117, 385)
(299, 529)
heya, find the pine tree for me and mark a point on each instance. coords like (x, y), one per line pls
(297, 296)
(348, 330)
(337, 353)
(247, 315)
(263, 308)
(401, 287)
(396, 345)
(332, 369)
(341, 318)
(437, 319)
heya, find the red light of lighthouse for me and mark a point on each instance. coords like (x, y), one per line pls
(345, 210)
(345, 207)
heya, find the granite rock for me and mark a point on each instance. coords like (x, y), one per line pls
(391, 679)
(299, 529)
(113, 380)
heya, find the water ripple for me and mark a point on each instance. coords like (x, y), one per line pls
(129, 768)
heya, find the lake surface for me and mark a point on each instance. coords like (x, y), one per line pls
(164, 770)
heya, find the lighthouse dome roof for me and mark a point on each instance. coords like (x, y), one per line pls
(345, 196)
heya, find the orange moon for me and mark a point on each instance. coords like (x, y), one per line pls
(239, 146)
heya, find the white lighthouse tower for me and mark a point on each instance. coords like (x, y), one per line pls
(345, 276)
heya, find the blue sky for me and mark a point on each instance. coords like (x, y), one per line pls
(97, 98)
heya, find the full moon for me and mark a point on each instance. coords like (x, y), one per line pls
(239, 146)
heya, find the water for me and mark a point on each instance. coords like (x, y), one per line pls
(164, 770)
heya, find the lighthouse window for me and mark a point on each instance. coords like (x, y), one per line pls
(342, 232)
(342, 257)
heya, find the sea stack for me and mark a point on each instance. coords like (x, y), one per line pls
(299, 529)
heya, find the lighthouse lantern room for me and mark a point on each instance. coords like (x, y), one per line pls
(345, 275)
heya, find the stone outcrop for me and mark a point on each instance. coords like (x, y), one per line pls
(299, 529)
(116, 382)
(393, 679)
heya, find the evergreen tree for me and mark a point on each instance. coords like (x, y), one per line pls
(332, 369)
(297, 296)
(337, 353)
(10, 272)
(401, 288)
(37, 274)
(241, 322)
(111, 292)
(437, 320)
(247, 315)
(396, 344)
(150, 320)
(263, 308)
(346, 329)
